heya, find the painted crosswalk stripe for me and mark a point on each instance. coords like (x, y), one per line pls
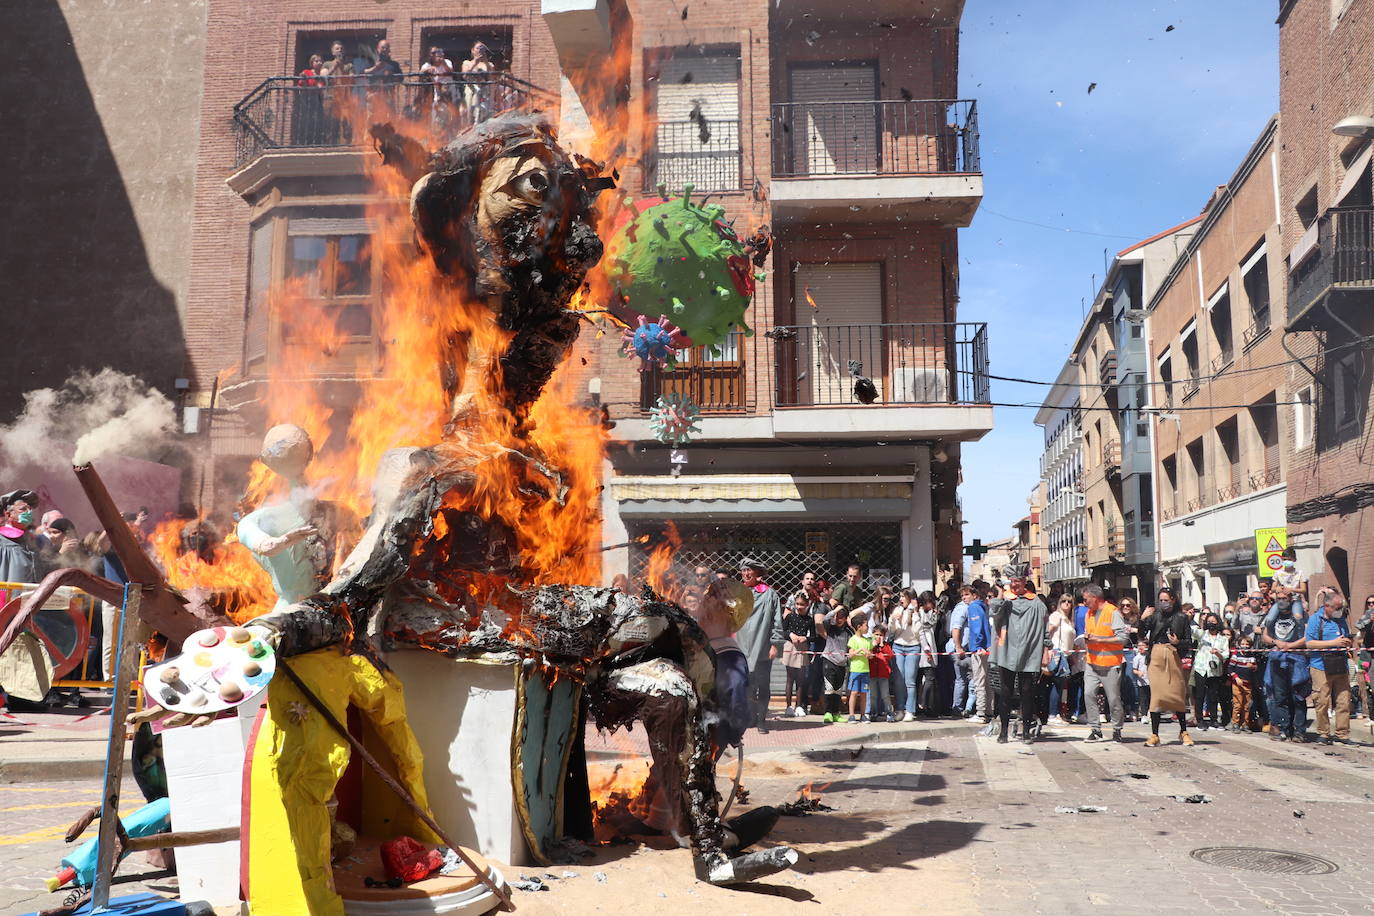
(1312, 756)
(1118, 760)
(884, 771)
(1271, 777)
(1013, 768)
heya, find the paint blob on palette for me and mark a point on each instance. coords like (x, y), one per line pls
(217, 669)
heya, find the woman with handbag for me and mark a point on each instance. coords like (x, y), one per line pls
(1170, 635)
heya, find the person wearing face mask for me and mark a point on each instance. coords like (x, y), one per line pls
(1169, 635)
(1209, 666)
(1329, 629)
(19, 547)
(1287, 677)
(1288, 576)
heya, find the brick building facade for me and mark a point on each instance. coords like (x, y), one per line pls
(840, 128)
(1216, 346)
(1326, 103)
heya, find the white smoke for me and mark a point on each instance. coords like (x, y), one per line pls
(105, 413)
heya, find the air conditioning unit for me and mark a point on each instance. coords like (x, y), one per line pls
(919, 386)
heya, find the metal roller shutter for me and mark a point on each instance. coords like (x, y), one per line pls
(834, 123)
(697, 130)
(845, 325)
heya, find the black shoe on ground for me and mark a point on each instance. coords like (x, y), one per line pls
(1002, 736)
(1327, 740)
(1095, 735)
(1116, 735)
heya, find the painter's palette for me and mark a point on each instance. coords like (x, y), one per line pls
(217, 669)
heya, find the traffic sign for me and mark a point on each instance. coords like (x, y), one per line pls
(1270, 544)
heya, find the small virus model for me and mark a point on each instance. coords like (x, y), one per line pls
(673, 419)
(655, 342)
(681, 261)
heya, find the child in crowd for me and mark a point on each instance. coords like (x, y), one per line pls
(879, 670)
(860, 650)
(798, 627)
(1140, 671)
(1244, 679)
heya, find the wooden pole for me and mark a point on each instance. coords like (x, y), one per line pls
(125, 661)
(394, 785)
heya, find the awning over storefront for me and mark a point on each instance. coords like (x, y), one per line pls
(760, 486)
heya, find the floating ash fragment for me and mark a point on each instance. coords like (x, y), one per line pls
(1080, 809)
(1193, 799)
(600, 877)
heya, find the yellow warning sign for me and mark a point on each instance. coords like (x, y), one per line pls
(1270, 544)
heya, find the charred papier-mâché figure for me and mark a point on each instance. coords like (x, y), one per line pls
(506, 215)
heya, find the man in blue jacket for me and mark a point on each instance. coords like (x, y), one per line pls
(1327, 628)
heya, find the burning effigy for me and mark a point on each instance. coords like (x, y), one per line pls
(475, 547)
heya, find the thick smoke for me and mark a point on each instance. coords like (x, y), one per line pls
(105, 413)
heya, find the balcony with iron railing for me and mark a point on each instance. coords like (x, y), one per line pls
(704, 154)
(1106, 368)
(1111, 458)
(916, 158)
(1339, 263)
(318, 114)
(1258, 329)
(915, 379)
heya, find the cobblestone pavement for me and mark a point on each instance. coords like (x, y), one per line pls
(952, 823)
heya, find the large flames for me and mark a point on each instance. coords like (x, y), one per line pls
(401, 400)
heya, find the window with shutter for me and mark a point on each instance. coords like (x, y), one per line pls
(840, 317)
(259, 285)
(834, 120)
(696, 121)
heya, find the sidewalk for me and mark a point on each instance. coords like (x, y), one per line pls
(64, 743)
(69, 743)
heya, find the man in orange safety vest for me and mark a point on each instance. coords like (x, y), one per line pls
(1104, 643)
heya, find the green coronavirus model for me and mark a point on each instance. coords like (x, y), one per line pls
(680, 261)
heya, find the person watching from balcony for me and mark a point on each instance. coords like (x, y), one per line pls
(438, 95)
(478, 91)
(310, 76)
(385, 71)
(336, 66)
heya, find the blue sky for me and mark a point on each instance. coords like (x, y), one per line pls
(1171, 117)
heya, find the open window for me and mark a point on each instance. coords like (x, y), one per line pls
(1219, 316)
(1228, 445)
(359, 51)
(1255, 278)
(1191, 360)
(457, 41)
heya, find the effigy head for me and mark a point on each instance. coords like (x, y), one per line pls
(287, 450)
(509, 210)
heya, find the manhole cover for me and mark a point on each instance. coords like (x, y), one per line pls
(1269, 861)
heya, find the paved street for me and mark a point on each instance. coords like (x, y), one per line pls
(962, 824)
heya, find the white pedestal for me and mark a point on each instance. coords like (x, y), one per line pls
(205, 788)
(463, 714)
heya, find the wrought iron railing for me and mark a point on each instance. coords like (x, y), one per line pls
(1344, 258)
(881, 137)
(704, 154)
(298, 112)
(809, 366)
(1267, 478)
(1228, 492)
(907, 363)
(1258, 329)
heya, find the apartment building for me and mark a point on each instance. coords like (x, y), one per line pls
(1061, 474)
(1112, 375)
(864, 161)
(839, 126)
(995, 564)
(1216, 352)
(1326, 246)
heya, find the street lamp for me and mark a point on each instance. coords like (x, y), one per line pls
(1361, 126)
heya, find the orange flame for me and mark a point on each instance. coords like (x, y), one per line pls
(662, 578)
(806, 290)
(240, 587)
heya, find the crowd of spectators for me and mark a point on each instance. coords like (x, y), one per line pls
(1004, 655)
(450, 96)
